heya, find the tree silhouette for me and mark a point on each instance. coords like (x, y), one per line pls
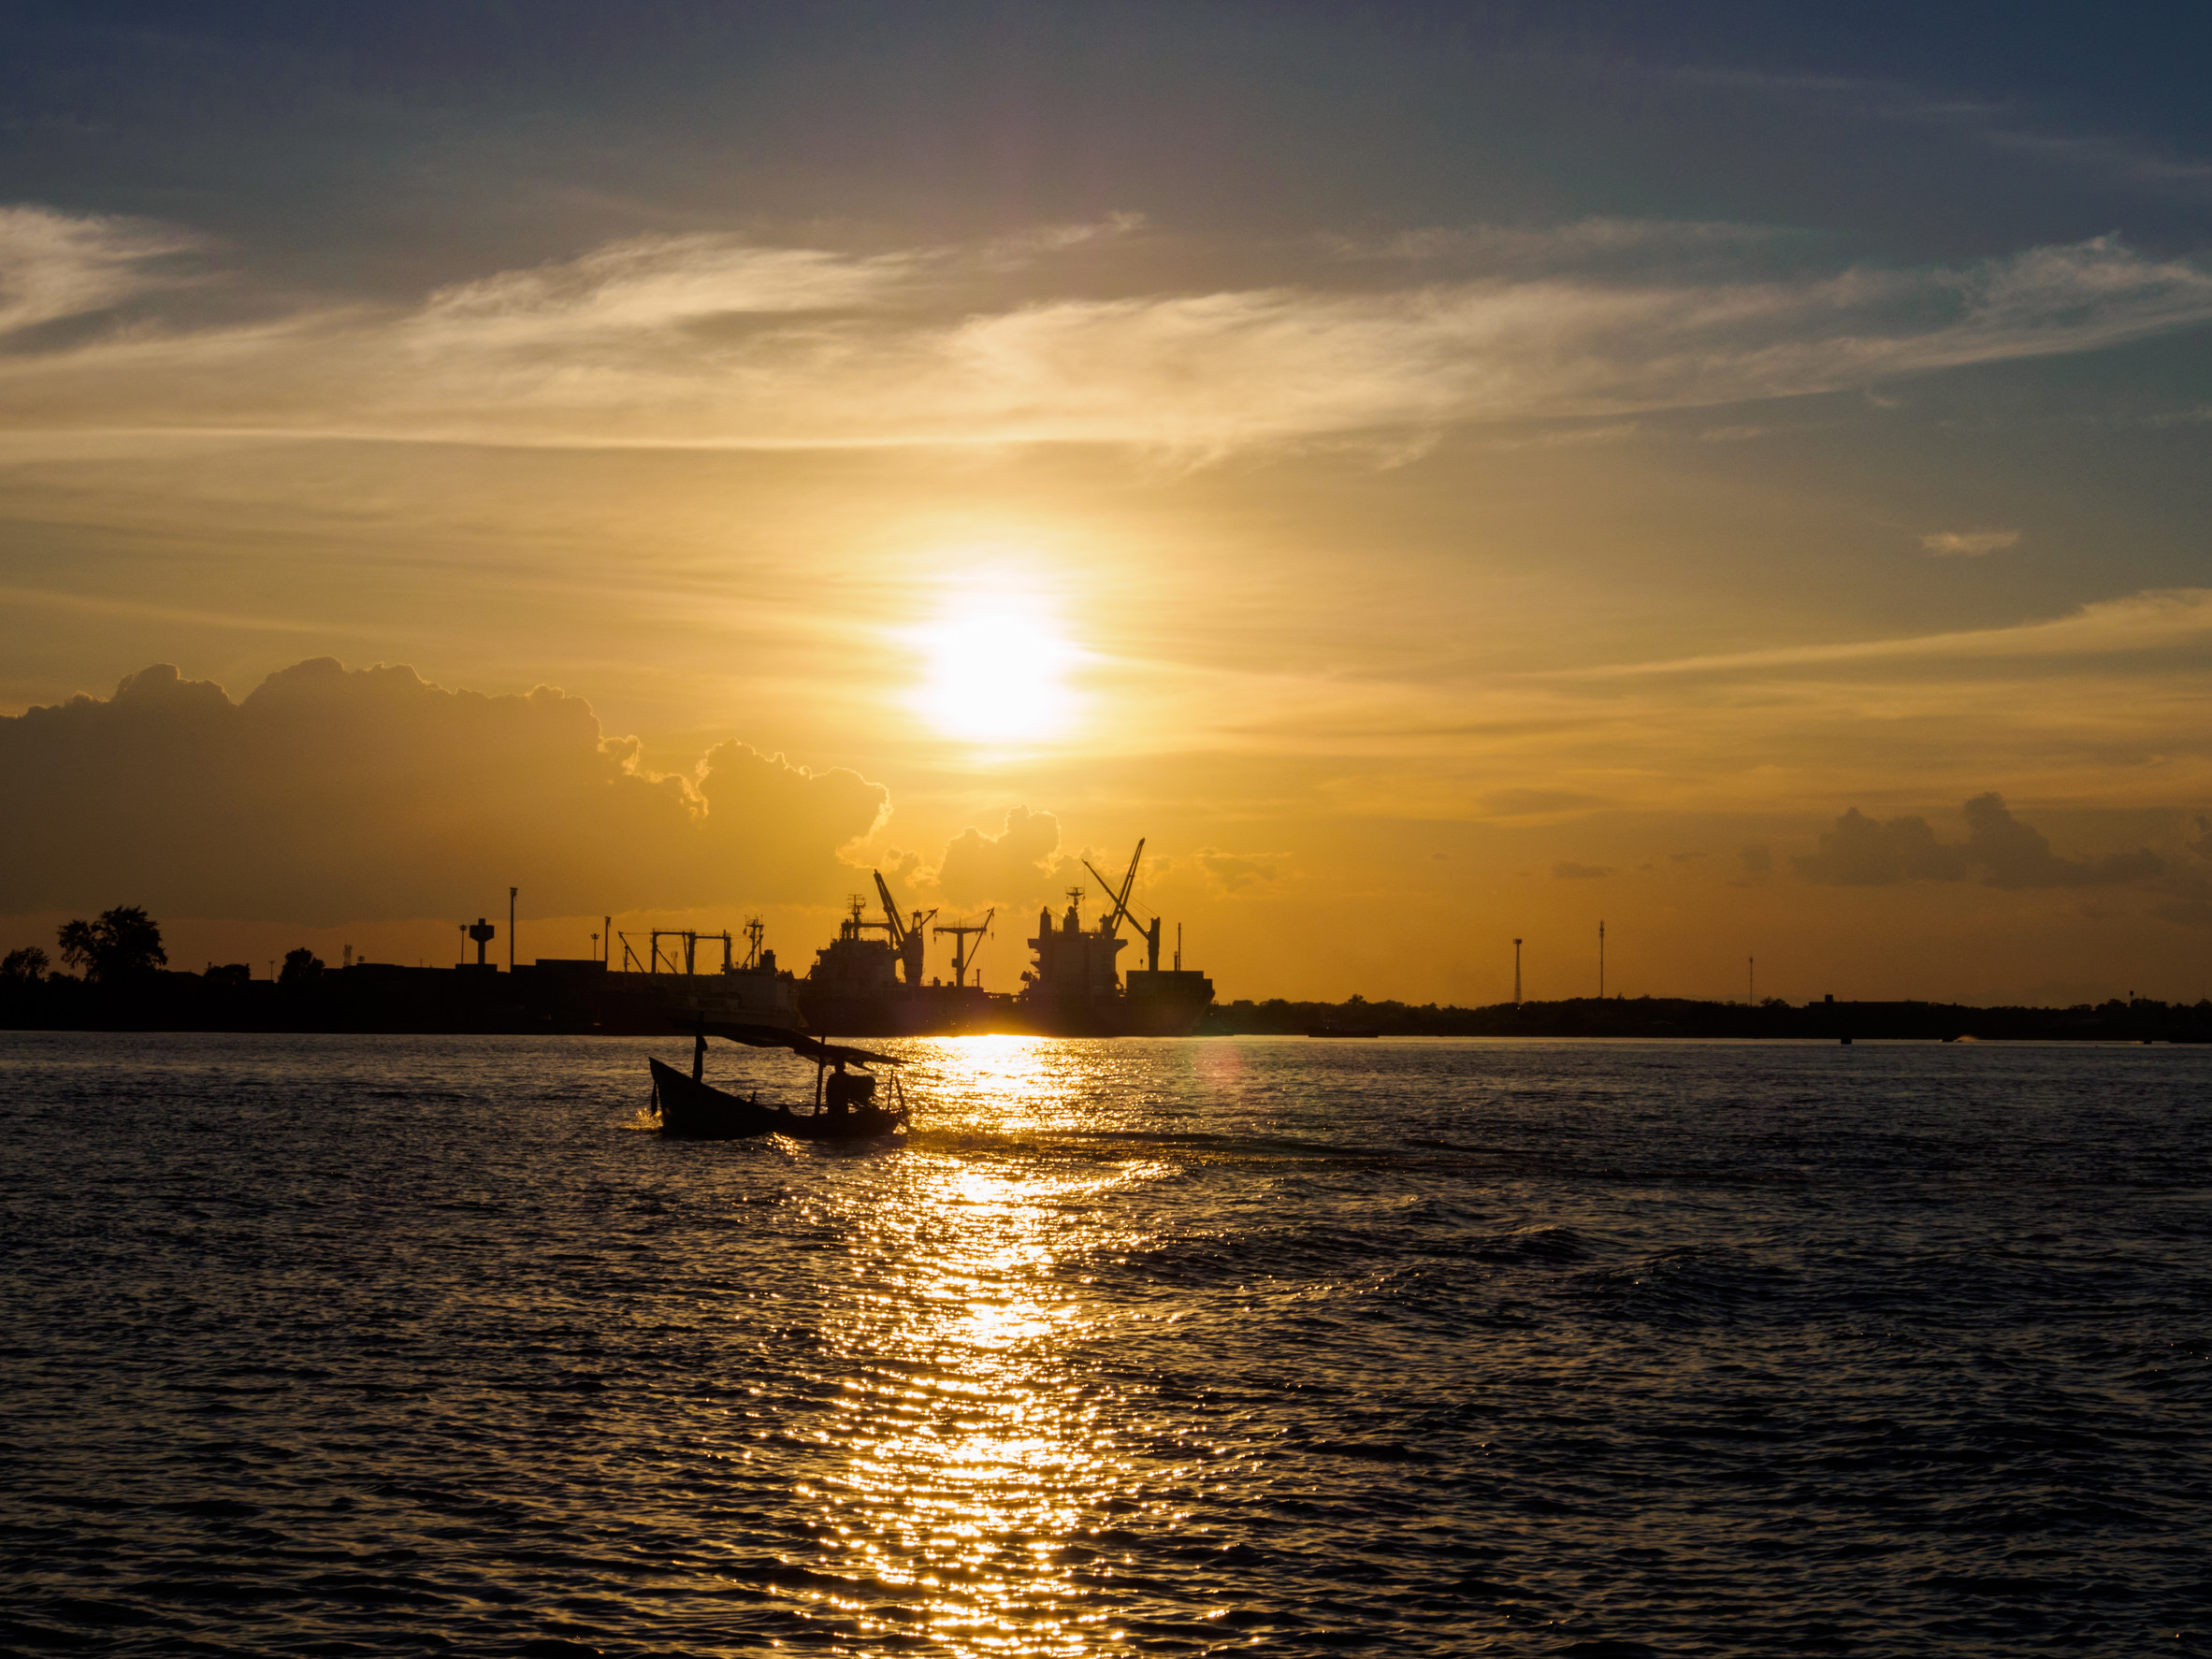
(27, 964)
(302, 968)
(123, 943)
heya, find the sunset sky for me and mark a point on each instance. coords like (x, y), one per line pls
(1439, 475)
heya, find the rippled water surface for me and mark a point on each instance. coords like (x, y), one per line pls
(332, 1345)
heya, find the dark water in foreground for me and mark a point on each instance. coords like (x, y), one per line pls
(331, 1346)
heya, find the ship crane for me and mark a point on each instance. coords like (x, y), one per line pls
(906, 937)
(1121, 896)
(964, 954)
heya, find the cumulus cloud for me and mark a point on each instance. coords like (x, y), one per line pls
(1024, 864)
(1862, 852)
(330, 794)
(2014, 855)
(716, 341)
(1968, 544)
(1011, 867)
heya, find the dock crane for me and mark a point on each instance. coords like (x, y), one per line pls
(1121, 898)
(906, 937)
(962, 953)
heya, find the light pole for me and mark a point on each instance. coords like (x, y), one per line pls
(1516, 972)
(510, 892)
(1601, 961)
(1750, 973)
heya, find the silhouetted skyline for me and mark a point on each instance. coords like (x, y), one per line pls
(1443, 477)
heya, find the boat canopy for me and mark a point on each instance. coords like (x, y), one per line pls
(770, 1036)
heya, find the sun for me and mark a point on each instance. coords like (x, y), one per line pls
(996, 671)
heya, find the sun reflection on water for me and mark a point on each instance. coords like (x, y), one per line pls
(978, 1462)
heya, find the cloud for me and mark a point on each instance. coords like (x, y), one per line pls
(1526, 803)
(1996, 127)
(1757, 861)
(2156, 619)
(1567, 870)
(330, 794)
(654, 285)
(2015, 856)
(1237, 873)
(1012, 867)
(1968, 544)
(713, 341)
(1861, 852)
(57, 266)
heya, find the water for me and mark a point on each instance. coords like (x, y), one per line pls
(364, 1345)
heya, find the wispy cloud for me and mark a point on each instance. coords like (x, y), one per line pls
(139, 610)
(2003, 127)
(57, 266)
(712, 341)
(1968, 544)
(2149, 621)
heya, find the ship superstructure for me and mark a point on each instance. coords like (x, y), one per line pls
(1076, 990)
(752, 992)
(868, 981)
(853, 986)
(668, 976)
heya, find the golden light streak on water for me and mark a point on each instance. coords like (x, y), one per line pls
(977, 1459)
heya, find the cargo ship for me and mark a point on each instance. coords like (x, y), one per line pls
(1075, 989)
(754, 992)
(868, 981)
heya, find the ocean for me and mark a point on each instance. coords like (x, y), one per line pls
(384, 1344)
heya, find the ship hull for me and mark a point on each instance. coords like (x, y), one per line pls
(927, 1011)
(1165, 1004)
(1139, 1016)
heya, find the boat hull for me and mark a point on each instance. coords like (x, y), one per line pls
(699, 1112)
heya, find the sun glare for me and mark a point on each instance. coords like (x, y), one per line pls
(996, 671)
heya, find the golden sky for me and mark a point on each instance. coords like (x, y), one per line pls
(1436, 487)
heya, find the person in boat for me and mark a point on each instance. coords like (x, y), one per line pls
(847, 1093)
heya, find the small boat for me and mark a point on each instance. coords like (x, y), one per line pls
(844, 1107)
